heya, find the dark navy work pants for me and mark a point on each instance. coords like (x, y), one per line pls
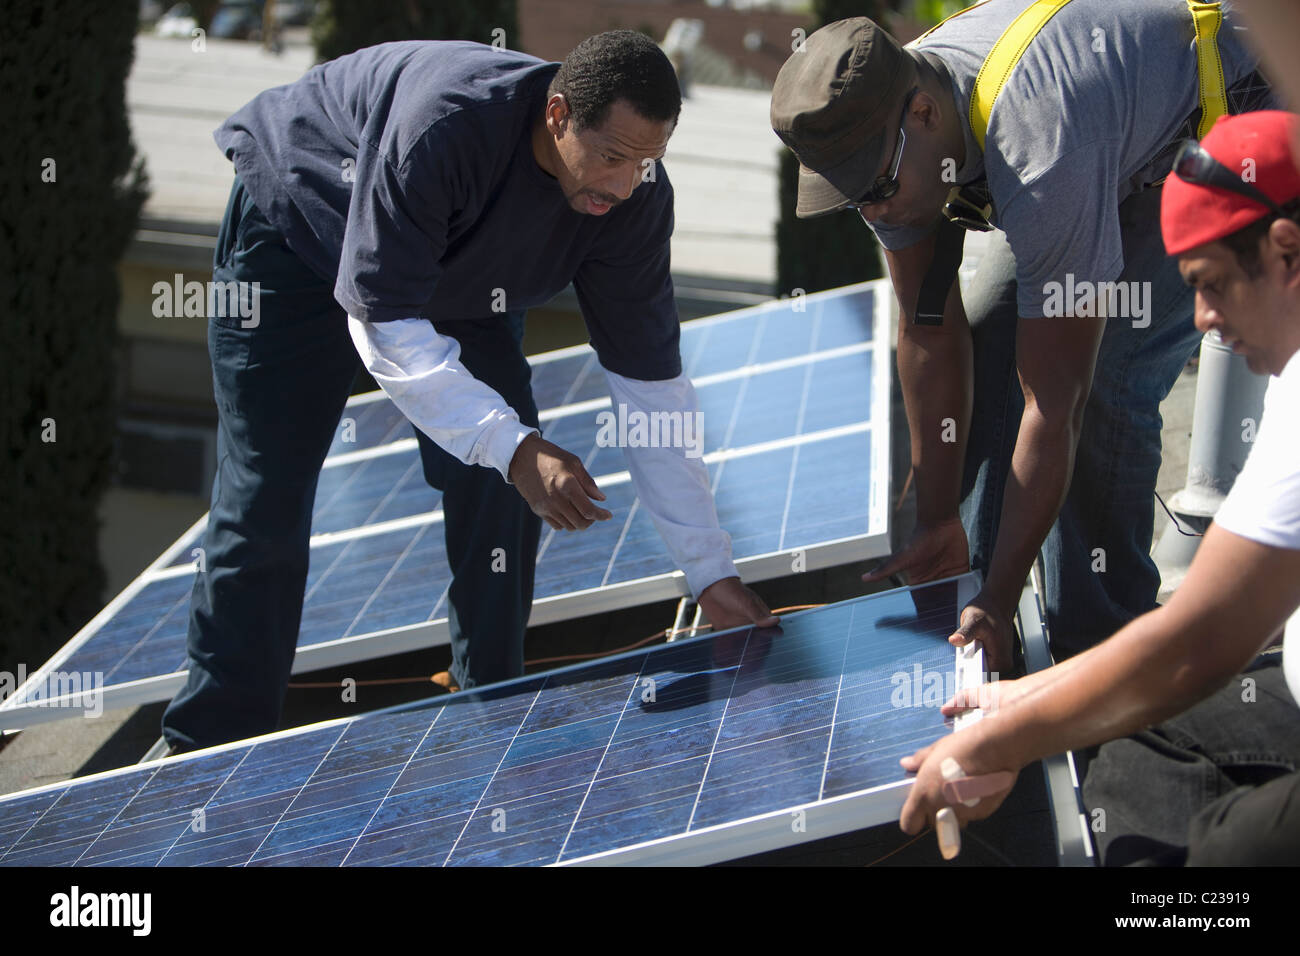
(280, 388)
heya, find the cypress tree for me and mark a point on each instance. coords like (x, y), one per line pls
(344, 26)
(73, 192)
(834, 250)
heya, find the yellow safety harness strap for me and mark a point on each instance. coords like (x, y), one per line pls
(1207, 18)
(1002, 59)
(1011, 45)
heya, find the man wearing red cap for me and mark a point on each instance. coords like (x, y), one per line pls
(1033, 399)
(1218, 783)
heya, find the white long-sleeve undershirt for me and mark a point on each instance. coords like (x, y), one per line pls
(673, 487)
(420, 371)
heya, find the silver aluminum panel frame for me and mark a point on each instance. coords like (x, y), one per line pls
(1069, 816)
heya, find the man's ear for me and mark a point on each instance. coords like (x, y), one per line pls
(1284, 234)
(928, 108)
(557, 114)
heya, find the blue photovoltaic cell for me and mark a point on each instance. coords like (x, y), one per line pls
(708, 346)
(780, 499)
(736, 413)
(739, 412)
(547, 769)
(401, 578)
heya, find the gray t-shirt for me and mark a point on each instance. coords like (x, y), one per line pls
(1103, 89)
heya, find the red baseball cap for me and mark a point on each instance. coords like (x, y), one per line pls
(1260, 143)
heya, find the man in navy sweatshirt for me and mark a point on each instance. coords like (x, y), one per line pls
(401, 208)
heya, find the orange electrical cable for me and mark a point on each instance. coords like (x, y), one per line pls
(334, 685)
(900, 848)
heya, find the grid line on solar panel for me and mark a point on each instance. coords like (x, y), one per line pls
(138, 643)
(561, 378)
(736, 728)
(479, 802)
(322, 622)
(717, 735)
(636, 681)
(399, 480)
(742, 374)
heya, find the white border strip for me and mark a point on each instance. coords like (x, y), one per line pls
(761, 834)
(374, 451)
(882, 368)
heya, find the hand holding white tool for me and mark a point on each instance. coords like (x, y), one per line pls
(959, 788)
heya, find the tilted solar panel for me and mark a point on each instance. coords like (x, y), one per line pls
(694, 752)
(794, 398)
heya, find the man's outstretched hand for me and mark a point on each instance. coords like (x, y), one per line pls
(556, 485)
(728, 603)
(936, 551)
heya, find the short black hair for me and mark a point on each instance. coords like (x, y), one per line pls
(1244, 243)
(617, 65)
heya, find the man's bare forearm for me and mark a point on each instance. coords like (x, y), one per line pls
(1236, 594)
(1117, 688)
(1036, 487)
(935, 369)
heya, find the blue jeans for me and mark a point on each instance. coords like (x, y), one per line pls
(280, 388)
(489, 609)
(1110, 504)
(1217, 785)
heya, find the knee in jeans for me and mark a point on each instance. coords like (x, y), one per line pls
(1216, 845)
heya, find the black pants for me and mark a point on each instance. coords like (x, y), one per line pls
(280, 388)
(1218, 785)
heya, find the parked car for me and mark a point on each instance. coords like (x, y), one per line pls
(294, 13)
(179, 21)
(238, 20)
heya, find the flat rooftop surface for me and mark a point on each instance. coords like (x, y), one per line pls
(722, 159)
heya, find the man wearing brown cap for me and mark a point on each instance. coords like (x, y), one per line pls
(1218, 782)
(1035, 423)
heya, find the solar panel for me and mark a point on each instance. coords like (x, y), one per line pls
(693, 752)
(794, 396)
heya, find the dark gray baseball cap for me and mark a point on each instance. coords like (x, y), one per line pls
(834, 103)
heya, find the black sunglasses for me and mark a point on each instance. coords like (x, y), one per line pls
(886, 186)
(1194, 165)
